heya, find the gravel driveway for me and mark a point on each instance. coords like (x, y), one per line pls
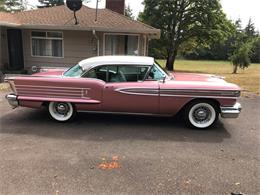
(155, 155)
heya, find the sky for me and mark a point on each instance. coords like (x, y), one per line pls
(234, 9)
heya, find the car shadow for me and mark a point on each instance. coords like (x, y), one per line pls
(102, 127)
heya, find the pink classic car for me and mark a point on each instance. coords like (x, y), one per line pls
(127, 85)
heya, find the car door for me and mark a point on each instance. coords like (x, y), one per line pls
(127, 91)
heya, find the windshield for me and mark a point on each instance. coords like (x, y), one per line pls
(75, 71)
(161, 68)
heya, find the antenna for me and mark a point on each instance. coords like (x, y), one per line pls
(96, 18)
(74, 5)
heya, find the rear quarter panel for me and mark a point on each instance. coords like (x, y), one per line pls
(85, 93)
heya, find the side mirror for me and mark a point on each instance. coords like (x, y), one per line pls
(164, 78)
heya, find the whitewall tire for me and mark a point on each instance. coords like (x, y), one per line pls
(201, 115)
(61, 111)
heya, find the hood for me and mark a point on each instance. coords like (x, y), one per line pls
(197, 77)
(193, 81)
(49, 74)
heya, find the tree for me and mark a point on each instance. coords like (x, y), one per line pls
(2, 5)
(255, 58)
(182, 20)
(50, 3)
(129, 12)
(253, 36)
(250, 29)
(241, 56)
(11, 5)
(241, 48)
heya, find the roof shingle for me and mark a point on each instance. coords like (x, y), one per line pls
(60, 17)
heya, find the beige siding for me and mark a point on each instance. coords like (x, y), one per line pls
(4, 61)
(77, 45)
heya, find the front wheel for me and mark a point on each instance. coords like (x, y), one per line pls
(201, 115)
(61, 111)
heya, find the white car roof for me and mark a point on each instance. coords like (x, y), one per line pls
(115, 60)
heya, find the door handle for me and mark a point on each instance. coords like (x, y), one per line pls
(109, 87)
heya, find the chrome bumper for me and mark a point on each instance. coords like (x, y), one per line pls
(12, 100)
(231, 112)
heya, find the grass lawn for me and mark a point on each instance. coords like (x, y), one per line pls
(248, 79)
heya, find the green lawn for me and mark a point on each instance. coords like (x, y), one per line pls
(248, 79)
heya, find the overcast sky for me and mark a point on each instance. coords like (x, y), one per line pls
(234, 9)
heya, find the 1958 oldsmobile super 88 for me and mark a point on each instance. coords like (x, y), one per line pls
(127, 85)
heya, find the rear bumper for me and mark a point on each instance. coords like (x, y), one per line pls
(12, 100)
(231, 112)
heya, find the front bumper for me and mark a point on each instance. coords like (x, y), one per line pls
(12, 100)
(231, 112)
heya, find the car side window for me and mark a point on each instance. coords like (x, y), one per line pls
(125, 73)
(133, 73)
(155, 74)
(97, 73)
(118, 73)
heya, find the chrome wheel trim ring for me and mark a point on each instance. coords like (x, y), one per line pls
(61, 111)
(202, 115)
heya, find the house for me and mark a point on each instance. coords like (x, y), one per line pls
(48, 37)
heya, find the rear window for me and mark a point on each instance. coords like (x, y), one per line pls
(75, 71)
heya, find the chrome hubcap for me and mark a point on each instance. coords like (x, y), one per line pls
(202, 115)
(61, 108)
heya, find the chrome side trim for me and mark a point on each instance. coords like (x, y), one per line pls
(125, 113)
(59, 99)
(226, 93)
(231, 112)
(139, 91)
(136, 88)
(12, 100)
(29, 92)
(141, 94)
(178, 93)
(39, 89)
(196, 96)
(46, 86)
(52, 91)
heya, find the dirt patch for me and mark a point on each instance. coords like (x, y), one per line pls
(4, 87)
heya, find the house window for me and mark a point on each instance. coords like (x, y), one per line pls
(121, 44)
(47, 44)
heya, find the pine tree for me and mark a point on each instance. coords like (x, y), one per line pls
(250, 29)
(11, 5)
(50, 3)
(129, 12)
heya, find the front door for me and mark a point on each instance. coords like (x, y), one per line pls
(125, 90)
(131, 97)
(15, 49)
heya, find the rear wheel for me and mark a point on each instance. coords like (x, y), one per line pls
(61, 111)
(201, 114)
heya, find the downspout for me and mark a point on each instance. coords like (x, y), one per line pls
(148, 39)
(145, 45)
(96, 37)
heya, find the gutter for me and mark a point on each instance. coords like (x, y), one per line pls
(7, 24)
(152, 33)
